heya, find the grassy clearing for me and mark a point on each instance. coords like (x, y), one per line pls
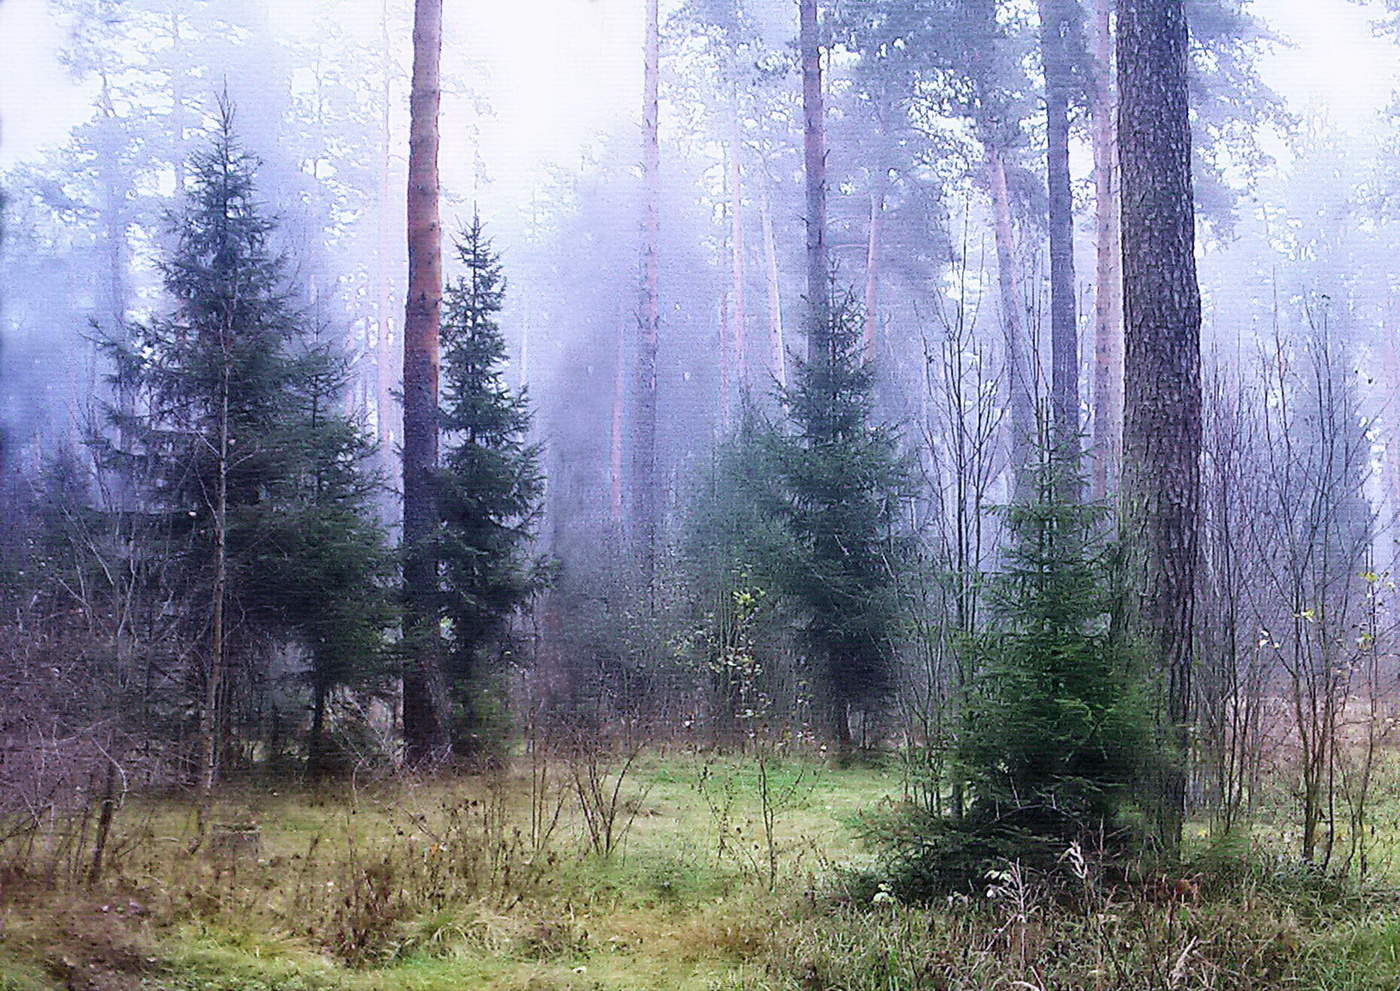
(474, 883)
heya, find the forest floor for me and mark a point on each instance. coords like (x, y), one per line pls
(500, 884)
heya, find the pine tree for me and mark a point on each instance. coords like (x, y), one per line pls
(490, 489)
(424, 730)
(1161, 489)
(841, 480)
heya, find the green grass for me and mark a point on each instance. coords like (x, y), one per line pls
(436, 886)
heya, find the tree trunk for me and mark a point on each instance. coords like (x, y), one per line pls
(1108, 285)
(1390, 477)
(644, 488)
(1056, 24)
(1162, 370)
(619, 399)
(316, 746)
(1020, 382)
(814, 159)
(114, 190)
(105, 815)
(386, 375)
(738, 308)
(726, 362)
(872, 263)
(209, 721)
(777, 346)
(425, 733)
(841, 727)
(177, 107)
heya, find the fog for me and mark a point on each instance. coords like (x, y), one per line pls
(784, 379)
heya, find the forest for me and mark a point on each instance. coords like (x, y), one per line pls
(712, 495)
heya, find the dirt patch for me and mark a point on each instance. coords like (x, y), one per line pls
(98, 947)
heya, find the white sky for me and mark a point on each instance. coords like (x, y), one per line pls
(1330, 62)
(559, 71)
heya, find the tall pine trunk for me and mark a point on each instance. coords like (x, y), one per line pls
(777, 346)
(1161, 488)
(424, 726)
(871, 329)
(738, 304)
(1055, 27)
(1020, 381)
(616, 467)
(177, 105)
(386, 378)
(316, 747)
(814, 160)
(1108, 282)
(644, 483)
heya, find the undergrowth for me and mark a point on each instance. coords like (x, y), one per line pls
(447, 885)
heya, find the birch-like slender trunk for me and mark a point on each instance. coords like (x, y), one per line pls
(776, 344)
(738, 307)
(814, 160)
(1020, 382)
(1108, 285)
(209, 721)
(645, 486)
(872, 264)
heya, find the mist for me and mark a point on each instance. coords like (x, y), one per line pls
(845, 462)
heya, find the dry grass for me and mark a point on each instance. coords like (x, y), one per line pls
(441, 884)
(454, 884)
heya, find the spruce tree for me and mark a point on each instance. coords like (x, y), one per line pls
(489, 491)
(1056, 724)
(841, 481)
(1057, 729)
(237, 448)
(330, 567)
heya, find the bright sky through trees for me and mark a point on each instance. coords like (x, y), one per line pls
(557, 72)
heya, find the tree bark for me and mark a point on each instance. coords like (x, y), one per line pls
(114, 195)
(615, 448)
(177, 107)
(424, 727)
(1056, 25)
(814, 160)
(738, 308)
(644, 486)
(777, 346)
(1391, 356)
(872, 262)
(209, 721)
(1019, 375)
(106, 813)
(316, 746)
(386, 375)
(1108, 283)
(1162, 370)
